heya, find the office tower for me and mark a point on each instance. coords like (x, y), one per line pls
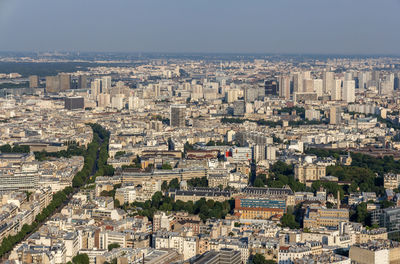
(82, 82)
(386, 87)
(96, 88)
(336, 93)
(238, 107)
(72, 103)
(363, 79)
(397, 82)
(33, 81)
(284, 87)
(271, 152)
(327, 78)
(177, 115)
(106, 84)
(103, 100)
(334, 115)
(259, 152)
(297, 83)
(271, 87)
(318, 86)
(117, 102)
(65, 82)
(250, 94)
(308, 85)
(52, 84)
(231, 95)
(348, 94)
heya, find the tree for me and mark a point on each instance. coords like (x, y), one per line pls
(258, 183)
(260, 259)
(112, 246)
(80, 259)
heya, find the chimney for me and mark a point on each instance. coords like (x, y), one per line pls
(338, 199)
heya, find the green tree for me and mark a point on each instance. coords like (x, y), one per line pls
(112, 246)
(80, 259)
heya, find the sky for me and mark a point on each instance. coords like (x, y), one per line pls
(210, 26)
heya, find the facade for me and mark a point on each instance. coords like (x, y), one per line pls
(177, 115)
(33, 81)
(72, 103)
(309, 172)
(316, 217)
(375, 252)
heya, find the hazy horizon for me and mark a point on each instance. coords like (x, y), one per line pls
(287, 27)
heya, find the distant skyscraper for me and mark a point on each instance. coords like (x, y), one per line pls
(284, 87)
(318, 86)
(52, 84)
(178, 115)
(271, 87)
(327, 82)
(334, 115)
(96, 88)
(239, 107)
(348, 94)
(82, 82)
(106, 84)
(336, 93)
(33, 81)
(308, 85)
(363, 79)
(297, 83)
(65, 82)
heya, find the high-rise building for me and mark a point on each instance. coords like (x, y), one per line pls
(177, 115)
(103, 100)
(334, 115)
(284, 87)
(106, 84)
(327, 82)
(33, 81)
(96, 88)
(297, 83)
(271, 87)
(82, 82)
(349, 93)
(318, 86)
(239, 107)
(52, 84)
(65, 82)
(336, 92)
(308, 85)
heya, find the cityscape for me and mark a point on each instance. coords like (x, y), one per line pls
(130, 157)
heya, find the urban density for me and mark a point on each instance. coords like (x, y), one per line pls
(202, 160)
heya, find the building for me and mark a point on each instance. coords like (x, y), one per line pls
(72, 103)
(316, 217)
(348, 94)
(327, 79)
(271, 87)
(65, 81)
(308, 172)
(178, 115)
(334, 115)
(82, 82)
(33, 81)
(336, 92)
(284, 87)
(52, 84)
(223, 256)
(388, 217)
(391, 181)
(375, 252)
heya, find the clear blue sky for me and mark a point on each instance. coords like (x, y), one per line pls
(253, 26)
